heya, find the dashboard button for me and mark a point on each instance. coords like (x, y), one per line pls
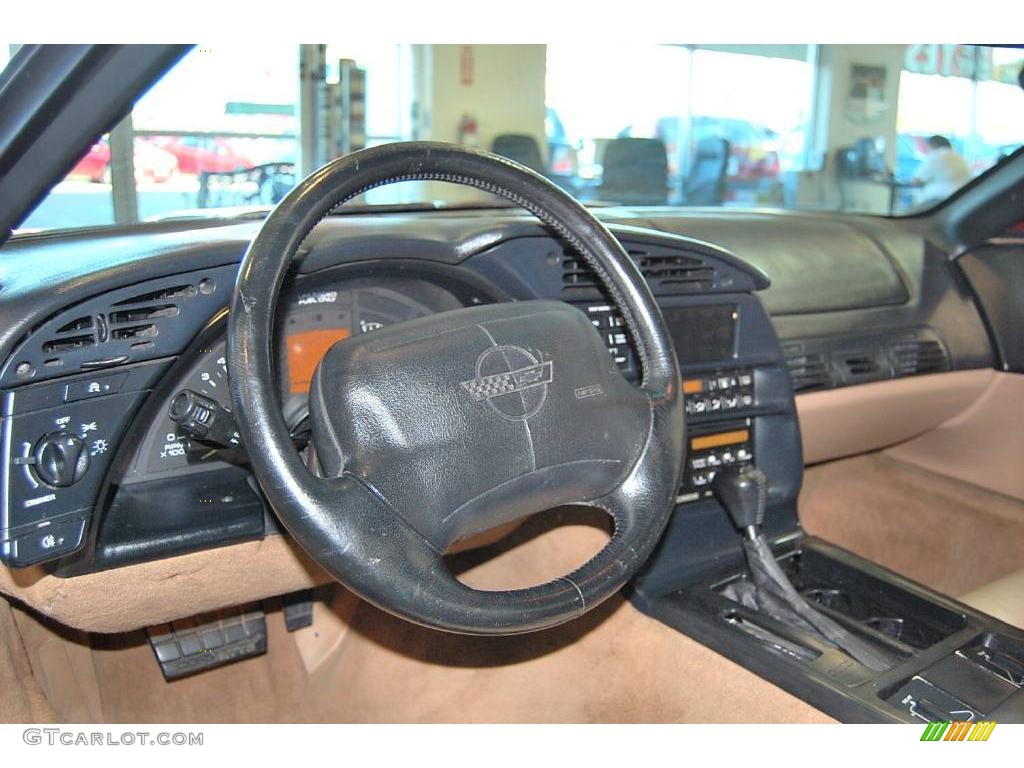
(47, 542)
(89, 427)
(61, 459)
(96, 386)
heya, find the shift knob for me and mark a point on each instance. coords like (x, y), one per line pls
(743, 492)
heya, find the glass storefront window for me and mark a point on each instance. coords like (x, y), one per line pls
(825, 127)
(964, 94)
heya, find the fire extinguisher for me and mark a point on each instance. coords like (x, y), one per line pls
(469, 135)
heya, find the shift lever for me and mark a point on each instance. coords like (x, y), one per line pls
(743, 492)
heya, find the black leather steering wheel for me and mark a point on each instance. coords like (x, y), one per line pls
(430, 431)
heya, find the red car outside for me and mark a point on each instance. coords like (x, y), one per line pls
(151, 162)
(196, 154)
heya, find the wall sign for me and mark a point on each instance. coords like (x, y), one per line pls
(467, 66)
(865, 99)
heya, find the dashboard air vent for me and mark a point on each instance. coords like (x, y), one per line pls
(666, 273)
(163, 294)
(68, 343)
(912, 356)
(807, 371)
(136, 319)
(74, 334)
(675, 272)
(859, 365)
(78, 324)
(576, 273)
(137, 314)
(131, 324)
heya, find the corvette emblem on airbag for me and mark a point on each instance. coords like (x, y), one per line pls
(510, 370)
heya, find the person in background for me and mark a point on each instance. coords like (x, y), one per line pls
(942, 172)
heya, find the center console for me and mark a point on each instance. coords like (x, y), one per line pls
(948, 662)
(925, 657)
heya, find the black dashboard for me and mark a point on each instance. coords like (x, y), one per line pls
(104, 330)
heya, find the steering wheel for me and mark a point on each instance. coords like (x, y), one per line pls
(430, 431)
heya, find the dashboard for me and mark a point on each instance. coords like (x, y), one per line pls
(118, 445)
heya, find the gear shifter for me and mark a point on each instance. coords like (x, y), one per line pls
(744, 494)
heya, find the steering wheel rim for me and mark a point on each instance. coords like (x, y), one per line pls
(345, 521)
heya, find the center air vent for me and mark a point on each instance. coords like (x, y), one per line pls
(859, 365)
(836, 362)
(911, 356)
(807, 370)
(666, 273)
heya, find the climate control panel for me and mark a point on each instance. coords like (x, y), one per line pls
(718, 392)
(711, 448)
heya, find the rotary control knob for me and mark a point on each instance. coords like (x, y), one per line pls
(61, 459)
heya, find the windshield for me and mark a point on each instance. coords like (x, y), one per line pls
(882, 129)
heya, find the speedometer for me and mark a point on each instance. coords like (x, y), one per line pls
(316, 320)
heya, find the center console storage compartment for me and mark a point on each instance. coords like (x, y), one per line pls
(851, 595)
(947, 662)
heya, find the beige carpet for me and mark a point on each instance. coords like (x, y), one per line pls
(21, 698)
(613, 665)
(945, 533)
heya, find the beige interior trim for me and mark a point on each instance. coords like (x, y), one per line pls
(62, 663)
(947, 534)
(851, 420)
(1003, 598)
(331, 621)
(612, 665)
(22, 699)
(983, 445)
(142, 595)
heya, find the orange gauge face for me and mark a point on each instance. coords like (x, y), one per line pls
(305, 350)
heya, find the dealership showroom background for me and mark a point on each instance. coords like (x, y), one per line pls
(833, 127)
